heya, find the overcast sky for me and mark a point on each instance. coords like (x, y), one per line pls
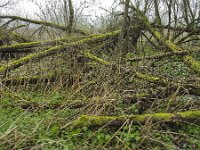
(27, 8)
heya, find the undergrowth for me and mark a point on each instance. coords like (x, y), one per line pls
(40, 128)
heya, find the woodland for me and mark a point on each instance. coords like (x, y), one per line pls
(126, 80)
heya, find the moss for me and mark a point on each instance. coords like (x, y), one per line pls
(142, 94)
(53, 50)
(91, 56)
(148, 77)
(18, 46)
(194, 65)
(190, 114)
(156, 116)
(173, 47)
(30, 80)
(116, 120)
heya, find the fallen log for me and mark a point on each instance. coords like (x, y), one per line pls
(168, 54)
(39, 55)
(26, 47)
(99, 121)
(28, 80)
(45, 23)
(189, 87)
(17, 48)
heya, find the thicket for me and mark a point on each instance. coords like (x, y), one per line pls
(132, 88)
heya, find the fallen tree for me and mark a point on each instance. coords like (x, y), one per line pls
(99, 121)
(26, 47)
(167, 54)
(192, 87)
(24, 60)
(189, 60)
(29, 80)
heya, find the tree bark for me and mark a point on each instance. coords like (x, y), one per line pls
(71, 16)
(123, 38)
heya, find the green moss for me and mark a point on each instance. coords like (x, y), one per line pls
(18, 46)
(194, 65)
(148, 77)
(172, 46)
(53, 50)
(91, 56)
(190, 114)
(141, 95)
(156, 116)
(102, 120)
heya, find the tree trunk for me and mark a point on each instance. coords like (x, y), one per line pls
(123, 39)
(71, 16)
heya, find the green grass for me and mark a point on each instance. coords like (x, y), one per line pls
(47, 129)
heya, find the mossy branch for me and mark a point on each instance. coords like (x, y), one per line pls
(28, 80)
(39, 55)
(93, 121)
(26, 47)
(17, 48)
(168, 54)
(45, 23)
(189, 60)
(192, 87)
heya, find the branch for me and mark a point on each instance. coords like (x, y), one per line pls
(45, 23)
(28, 80)
(51, 51)
(94, 121)
(168, 54)
(189, 60)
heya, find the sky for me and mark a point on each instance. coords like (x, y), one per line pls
(27, 8)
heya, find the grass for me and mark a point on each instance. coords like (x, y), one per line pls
(105, 91)
(48, 128)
